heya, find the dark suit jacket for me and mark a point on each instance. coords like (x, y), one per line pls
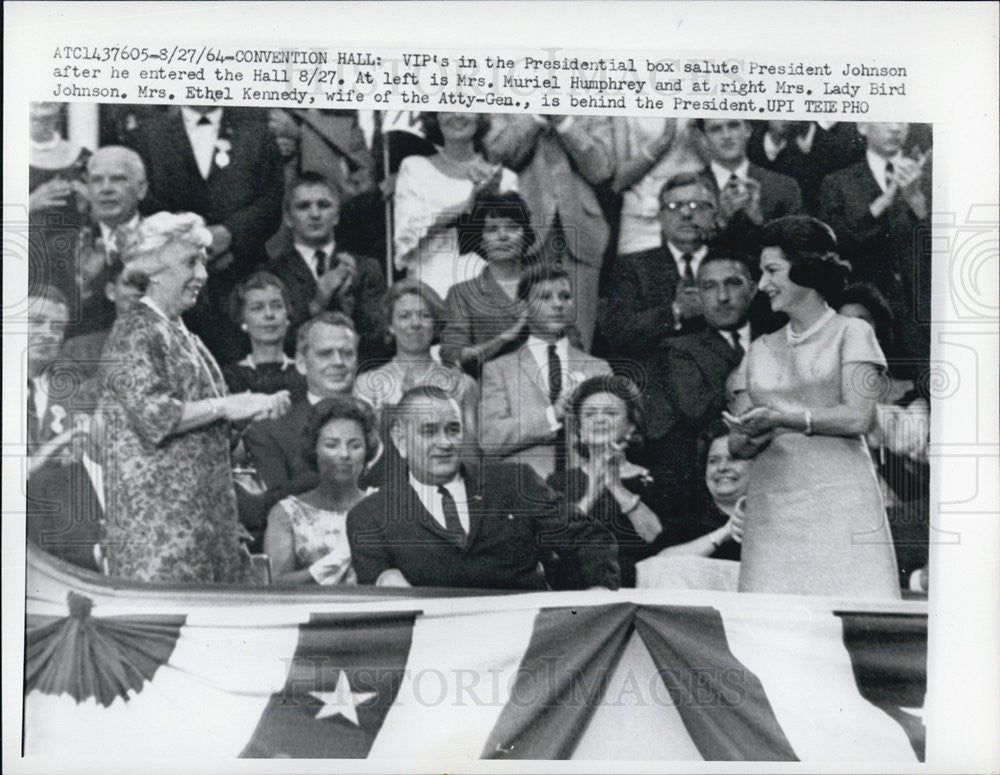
(245, 196)
(364, 305)
(63, 509)
(886, 251)
(275, 446)
(515, 523)
(638, 314)
(687, 387)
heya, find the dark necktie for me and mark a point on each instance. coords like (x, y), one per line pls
(451, 521)
(204, 121)
(889, 169)
(555, 375)
(688, 275)
(737, 347)
(319, 257)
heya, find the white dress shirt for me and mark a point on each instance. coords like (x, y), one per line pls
(877, 165)
(309, 254)
(539, 350)
(696, 258)
(723, 174)
(432, 500)
(203, 137)
(744, 336)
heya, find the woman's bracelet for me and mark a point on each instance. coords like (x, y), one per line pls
(635, 504)
(809, 423)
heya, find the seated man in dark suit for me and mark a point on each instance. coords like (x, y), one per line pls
(64, 486)
(440, 524)
(318, 276)
(877, 208)
(327, 355)
(687, 388)
(653, 292)
(746, 192)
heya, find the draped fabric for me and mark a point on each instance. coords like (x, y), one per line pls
(630, 675)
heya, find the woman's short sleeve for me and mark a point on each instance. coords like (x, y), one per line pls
(859, 344)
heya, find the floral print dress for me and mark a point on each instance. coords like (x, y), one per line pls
(170, 504)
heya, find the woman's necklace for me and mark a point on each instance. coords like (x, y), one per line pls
(797, 338)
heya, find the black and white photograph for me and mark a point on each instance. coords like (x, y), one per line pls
(509, 428)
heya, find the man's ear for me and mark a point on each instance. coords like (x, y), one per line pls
(142, 189)
(398, 436)
(300, 363)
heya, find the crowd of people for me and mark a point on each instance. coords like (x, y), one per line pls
(508, 352)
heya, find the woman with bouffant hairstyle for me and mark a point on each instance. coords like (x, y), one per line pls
(803, 398)
(306, 538)
(169, 499)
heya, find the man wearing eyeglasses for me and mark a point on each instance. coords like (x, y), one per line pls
(654, 294)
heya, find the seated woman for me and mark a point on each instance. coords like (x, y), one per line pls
(484, 317)
(414, 314)
(433, 194)
(718, 525)
(605, 413)
(259, 307)
(306, 538)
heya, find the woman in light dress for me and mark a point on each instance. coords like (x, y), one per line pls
(803, 399)
(306, 538)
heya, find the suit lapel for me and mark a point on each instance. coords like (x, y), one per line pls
(475, 504)
(532, 373)
(416, 506)
(716, 342)
(297, 264)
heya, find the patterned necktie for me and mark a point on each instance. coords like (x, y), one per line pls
(889, 169)
(555, 375)
(451, 521)
(688, 274)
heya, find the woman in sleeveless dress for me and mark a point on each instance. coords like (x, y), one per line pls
(306, 538)
(802, 400)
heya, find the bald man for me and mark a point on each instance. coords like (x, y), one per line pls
(116, 184)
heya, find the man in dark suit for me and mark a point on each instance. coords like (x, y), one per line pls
(116, 184)
(327, 355)
(878, 208)
(806, 151)
(746, 192)
(440, 524)
(224, 165)
(687, 388)
(653, 293)
(318, 276)
(64, 496)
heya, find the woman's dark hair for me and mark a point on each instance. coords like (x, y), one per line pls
(619, 386)
(871, 298)
(408, 286)
(339, 408)
(432, 129)
(715, 430)
(508, 204)
(258, 281)
(810, 246)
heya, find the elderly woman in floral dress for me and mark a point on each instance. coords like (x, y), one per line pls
(170, 504)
